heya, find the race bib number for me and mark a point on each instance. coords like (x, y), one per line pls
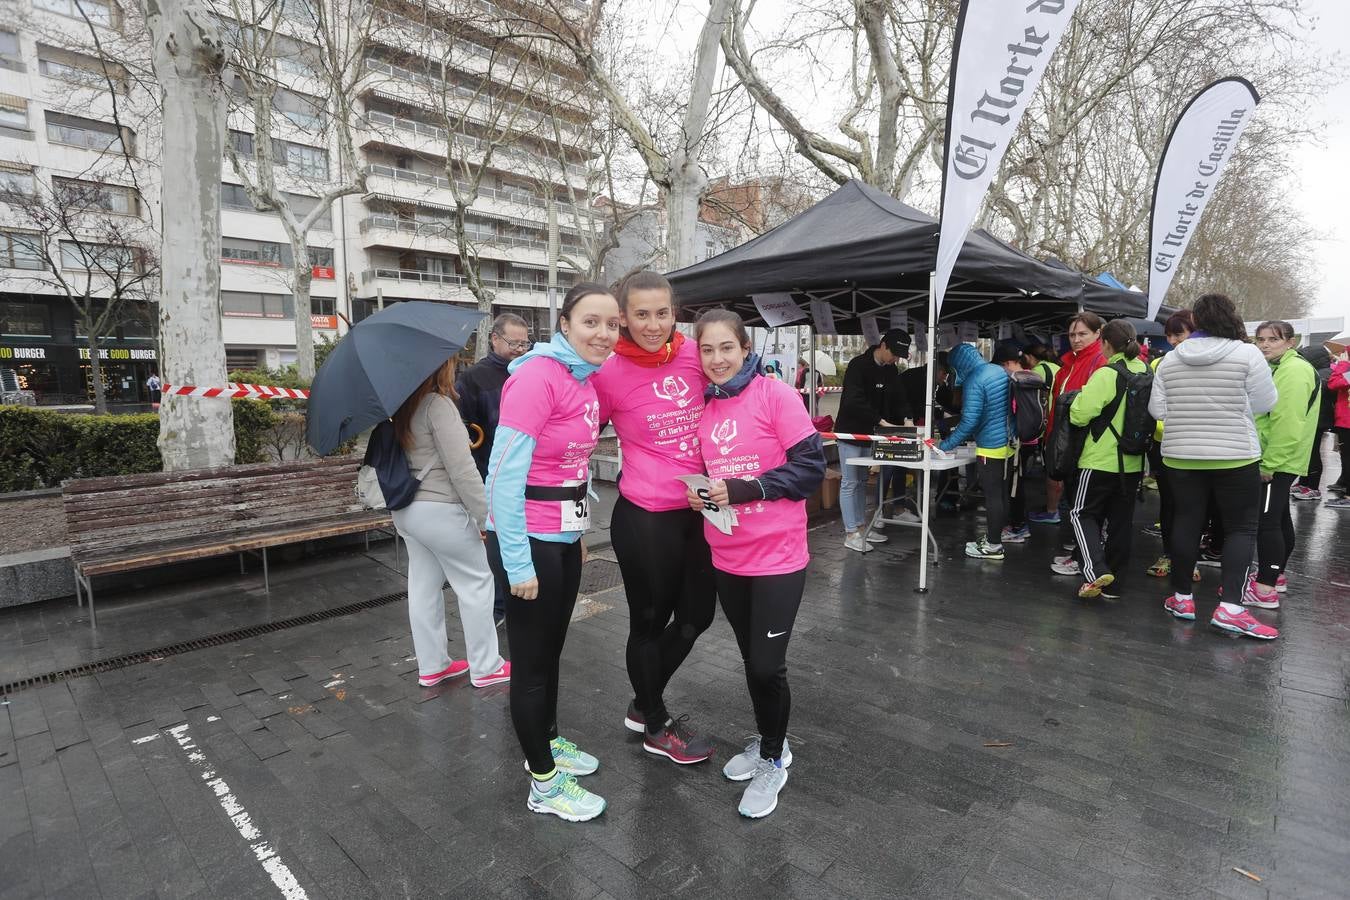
(576, 514)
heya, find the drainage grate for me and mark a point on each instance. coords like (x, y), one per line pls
(215, 640)
(600, 575)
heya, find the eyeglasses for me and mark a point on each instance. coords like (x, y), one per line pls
(515, 345)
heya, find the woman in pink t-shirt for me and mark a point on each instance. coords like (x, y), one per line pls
(764, 459)
(538, 510)
(651, 391)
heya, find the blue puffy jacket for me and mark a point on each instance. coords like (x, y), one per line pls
(986, 407)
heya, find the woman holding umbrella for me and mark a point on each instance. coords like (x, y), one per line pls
(537, 480)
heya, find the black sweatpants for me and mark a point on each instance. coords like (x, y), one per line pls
(1017, 487)
(1275, 530)
(1236, 494)
(1104, 501)
(761, 610)
(1313, 480)
(668, 578)
(1343, 440)
(1166, 502)
(995, 481)
(536, 630)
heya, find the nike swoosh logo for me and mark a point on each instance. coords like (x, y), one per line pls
(779, 634)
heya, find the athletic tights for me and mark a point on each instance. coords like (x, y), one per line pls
(1236, 494)
(668, 578)
(536, 630)
(1104, 501)
(996, 482)
(1275, 531)
(761, 610)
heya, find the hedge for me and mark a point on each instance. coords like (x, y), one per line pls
(41, 448)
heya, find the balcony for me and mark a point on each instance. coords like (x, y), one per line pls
(422, 233)
(503, 195)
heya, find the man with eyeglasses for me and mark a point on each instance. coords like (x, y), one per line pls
(480, 398)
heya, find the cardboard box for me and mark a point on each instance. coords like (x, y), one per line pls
(828, 492)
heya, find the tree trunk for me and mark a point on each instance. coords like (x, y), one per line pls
(95, 370)
(304, 325)
(687, 184)
(194, 432)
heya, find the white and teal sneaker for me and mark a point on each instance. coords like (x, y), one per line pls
(567, 758)
(761, 797)
(982, 549)
(741, 767)
(561, 796)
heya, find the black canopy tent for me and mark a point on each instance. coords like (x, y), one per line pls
(865, 252)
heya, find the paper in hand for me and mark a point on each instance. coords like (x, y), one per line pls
(724, 518)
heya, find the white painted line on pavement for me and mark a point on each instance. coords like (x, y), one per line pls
(243, 823)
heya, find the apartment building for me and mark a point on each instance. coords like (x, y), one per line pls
(420, 101)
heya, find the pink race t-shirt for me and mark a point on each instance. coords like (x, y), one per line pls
(543, 400)
(655, 412)
(740, 437)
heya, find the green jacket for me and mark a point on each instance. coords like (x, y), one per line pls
(1099, 454)
(1047, 370)
(1287, 431)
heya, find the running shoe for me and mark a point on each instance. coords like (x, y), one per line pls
(1161, 568)
(1299, 492)
(761, 797)
(1015, 535)
(908, 518)
(456, 668)
(1040, 517)
(633, 720)
(1338, 503)
(569, 759)
(1154, 530)
(1336, 488)
(1065, 565)
(678, 743)
(501, 676)
(875, 537)
(1242, 622)
(742, 766)
(1252, 596)
(1181, 608)
(1091, 589)
(1281, 584)
(1149, 483)
(982, 549)
(561, 796)
(855, 542)
(1210, 558)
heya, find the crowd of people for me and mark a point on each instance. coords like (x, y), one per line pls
(503, 457)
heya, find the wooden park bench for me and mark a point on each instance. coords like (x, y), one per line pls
(130, 522)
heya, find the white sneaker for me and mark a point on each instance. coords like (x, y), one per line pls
(1065, 567)
(876, 537)
(908, 518)
(855, 542)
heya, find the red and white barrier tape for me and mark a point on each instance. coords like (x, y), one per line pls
(234, 391)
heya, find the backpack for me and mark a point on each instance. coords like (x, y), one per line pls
(1138, 426)
(385, 481)
(1029, 398)
(1066, 440)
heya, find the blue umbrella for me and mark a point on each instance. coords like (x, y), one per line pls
(379, 364)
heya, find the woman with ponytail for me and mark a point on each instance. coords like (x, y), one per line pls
(1108, 479)
(651, 390)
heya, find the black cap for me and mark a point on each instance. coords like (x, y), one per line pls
(897, 340)
(1007, 351)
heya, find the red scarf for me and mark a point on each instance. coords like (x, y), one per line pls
(650, 359)
(1077, 367)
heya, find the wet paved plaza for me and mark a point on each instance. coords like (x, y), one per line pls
(995, 737)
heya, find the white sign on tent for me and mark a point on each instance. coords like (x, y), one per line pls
(823, 315)
(1002, 50)
(871, 330)
(900, 319)
(777, 309)
(1200, 145)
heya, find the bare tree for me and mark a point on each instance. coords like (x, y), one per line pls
(278, 53)
(94, 249)
(188, 58)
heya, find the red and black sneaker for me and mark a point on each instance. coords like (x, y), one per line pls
(678, 743)
(633, 720)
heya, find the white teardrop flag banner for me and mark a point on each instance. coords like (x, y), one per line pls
(1002, 50)
(1200, 145)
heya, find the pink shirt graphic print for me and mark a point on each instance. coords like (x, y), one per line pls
(543, 400)
(741, 437)
(655, 412)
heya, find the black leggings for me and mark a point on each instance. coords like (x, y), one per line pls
(1017, 487)
(1313, 480)
(995, 481)
(1166, 502)
(1343, 439)
(1275, 532)
(761, 610)
(1237, 494)
(1104, 501)
(668, 578)
(536, 630)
